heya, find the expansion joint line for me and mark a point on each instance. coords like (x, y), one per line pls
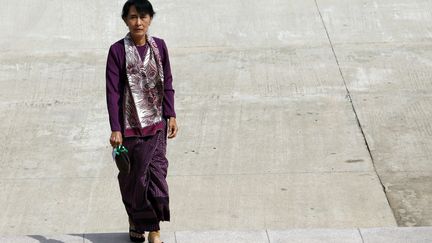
(352, 106)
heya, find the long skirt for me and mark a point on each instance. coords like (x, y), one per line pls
(145, 189)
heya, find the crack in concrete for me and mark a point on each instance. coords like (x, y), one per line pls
(348, 95)
(268, 237)
(175, 237)
(361, 236)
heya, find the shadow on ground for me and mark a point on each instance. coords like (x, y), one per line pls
(107, 237)
(94, 238)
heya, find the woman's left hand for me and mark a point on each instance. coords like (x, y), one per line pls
(172, 127)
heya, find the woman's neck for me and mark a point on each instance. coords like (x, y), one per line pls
(139, 41)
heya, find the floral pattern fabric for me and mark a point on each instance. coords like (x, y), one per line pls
(145, 87)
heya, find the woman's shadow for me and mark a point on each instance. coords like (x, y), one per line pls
(87, 238)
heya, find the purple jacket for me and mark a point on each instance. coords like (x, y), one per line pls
(116, 79)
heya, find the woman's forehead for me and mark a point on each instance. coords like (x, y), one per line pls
(133, 11)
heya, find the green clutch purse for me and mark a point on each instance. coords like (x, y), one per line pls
(121, 158)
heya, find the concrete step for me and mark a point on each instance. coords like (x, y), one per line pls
(351, 235)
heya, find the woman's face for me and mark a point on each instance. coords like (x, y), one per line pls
(138, 24)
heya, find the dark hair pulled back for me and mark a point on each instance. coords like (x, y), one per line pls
(142, 6)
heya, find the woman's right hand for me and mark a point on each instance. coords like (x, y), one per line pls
(116, 139)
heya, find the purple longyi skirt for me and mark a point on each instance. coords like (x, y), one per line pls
(145, 189)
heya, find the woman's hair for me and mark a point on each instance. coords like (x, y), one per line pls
(142, 6)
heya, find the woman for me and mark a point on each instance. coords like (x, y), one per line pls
(140, 100)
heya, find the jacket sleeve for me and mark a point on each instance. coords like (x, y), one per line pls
(113, 89)
(168, 103)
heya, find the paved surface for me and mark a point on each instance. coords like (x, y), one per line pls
(292, 114)
(359, 235)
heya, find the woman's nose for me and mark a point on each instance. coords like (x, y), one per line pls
(140, 21)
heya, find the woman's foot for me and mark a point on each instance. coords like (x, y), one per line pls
(154, 237)
(134, 235)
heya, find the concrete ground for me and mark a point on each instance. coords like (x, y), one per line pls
(293, 115)
(358, 235)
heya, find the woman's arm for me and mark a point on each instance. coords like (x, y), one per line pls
(113, 95)
(168, 104)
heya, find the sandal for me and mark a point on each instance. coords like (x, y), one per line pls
(132, 230)
(136, 239)
(150, 236)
